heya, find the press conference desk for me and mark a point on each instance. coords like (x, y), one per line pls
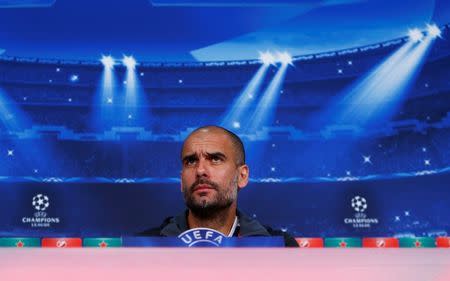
(224, 264)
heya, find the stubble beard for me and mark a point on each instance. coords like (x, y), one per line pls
(209, 208)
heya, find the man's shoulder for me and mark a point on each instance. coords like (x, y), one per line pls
(251, 227)
(156, 231)
(289, 240)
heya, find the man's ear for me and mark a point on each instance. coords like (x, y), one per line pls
(243, 176)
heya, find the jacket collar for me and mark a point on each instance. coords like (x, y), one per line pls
(247, 226)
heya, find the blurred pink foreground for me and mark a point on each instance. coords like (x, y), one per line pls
(224, 264)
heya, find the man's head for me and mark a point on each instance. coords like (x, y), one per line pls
(213, 170)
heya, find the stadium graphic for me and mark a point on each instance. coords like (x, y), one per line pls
(332, 135)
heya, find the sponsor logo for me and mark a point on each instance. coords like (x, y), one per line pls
(380, 243)
(360, 219)
(304, 243)
(40, 219)
(61, 244)
(417, 244)
(202, 237)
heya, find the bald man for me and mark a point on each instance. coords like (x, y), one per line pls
(213, 172)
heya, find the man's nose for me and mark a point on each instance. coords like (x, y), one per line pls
(202, 168)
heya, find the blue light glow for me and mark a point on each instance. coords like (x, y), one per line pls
(433, 31)
(266, 58)
(108, 61)
(415, 35)
(284, 58)
(129, 62)
(104, 115)
(265, 110)
(375, 98)
(74, 78)
(242, 103)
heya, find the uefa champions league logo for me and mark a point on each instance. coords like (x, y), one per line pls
(359, 204)
(360, 220)
(40, 202)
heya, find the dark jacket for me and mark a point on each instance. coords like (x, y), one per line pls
(174, 226)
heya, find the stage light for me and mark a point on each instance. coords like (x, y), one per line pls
(236, 125)
(266, 58)
(129, 62)
(433, 30)
(415, 35)
(285, 58)
(108, 62)
(74, 78)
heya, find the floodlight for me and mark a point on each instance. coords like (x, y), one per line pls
(266, 58)
(415, 35)
(285, 58)
(108, 62)
(129, 62)
(433, 30)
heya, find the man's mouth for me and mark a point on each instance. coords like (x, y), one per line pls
(202, 187)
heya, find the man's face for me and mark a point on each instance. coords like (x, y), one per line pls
(210, 177)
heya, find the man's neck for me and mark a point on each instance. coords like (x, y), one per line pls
(221, 221)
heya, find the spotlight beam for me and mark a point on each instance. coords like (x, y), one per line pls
(375, 98)
(265, 110)
(12, 116)
(242, 103)
(103, 114)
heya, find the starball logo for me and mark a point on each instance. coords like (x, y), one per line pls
(40, 218)
(360, 220)
(202, 237)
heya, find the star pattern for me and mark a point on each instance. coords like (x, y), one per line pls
(367, 159)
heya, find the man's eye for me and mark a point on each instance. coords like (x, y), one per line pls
(190, 162)
(216, 159)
